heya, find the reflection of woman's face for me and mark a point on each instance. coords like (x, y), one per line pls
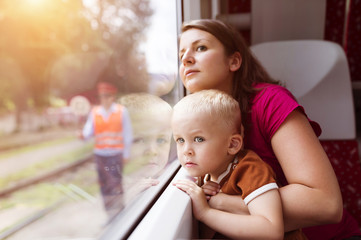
(161, 84)
(151, 146)
(203, 62)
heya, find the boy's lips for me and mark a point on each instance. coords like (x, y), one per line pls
(189, 164)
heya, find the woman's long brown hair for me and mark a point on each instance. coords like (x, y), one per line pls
(250, 72)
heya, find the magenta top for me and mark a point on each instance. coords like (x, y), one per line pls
(270, 107)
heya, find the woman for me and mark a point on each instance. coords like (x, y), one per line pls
(214, 55)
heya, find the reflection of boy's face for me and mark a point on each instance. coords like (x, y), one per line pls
(151, 143)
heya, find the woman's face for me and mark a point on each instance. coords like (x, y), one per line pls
(204, 64)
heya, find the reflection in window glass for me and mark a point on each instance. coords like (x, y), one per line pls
(53, 55)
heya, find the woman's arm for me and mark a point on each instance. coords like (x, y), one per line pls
(266, 214)
(313, 196)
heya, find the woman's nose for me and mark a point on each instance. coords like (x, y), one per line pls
(188, 58)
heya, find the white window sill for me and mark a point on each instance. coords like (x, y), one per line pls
(170, 217)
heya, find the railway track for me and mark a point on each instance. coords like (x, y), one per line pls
(70, 193)
(45, 176)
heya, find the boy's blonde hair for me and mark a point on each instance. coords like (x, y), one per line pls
(215, 103)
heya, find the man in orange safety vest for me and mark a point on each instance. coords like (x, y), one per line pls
(110, 125)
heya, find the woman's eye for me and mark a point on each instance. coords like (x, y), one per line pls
(198, 139)
(201, 48)
(179, 140)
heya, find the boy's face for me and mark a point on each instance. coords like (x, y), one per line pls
(202, 143)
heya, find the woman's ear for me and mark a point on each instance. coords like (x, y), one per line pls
(235, 62)
(235, 144)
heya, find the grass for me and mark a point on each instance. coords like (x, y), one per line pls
(40, 196)
(33, 147)
(47, 165)
(45, 194)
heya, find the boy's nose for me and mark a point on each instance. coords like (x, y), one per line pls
(188, 151)
(151, 150)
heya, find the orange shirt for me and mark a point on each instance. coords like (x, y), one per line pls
(249, 176)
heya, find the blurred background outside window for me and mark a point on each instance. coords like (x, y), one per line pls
(52, 55)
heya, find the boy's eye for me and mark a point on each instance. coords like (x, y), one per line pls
(198, 139)
(139, 140)
(179, 140)
(161, 140)
(201, 48)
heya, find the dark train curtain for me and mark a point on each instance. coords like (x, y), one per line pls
(241, 6)
(343, 26)
(353, 39)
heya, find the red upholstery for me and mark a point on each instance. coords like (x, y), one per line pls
(345, 159)
(335, 21)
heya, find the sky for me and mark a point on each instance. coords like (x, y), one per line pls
(160, 47)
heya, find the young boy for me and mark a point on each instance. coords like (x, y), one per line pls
(208, 131)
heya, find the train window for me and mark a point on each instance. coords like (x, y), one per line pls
(71, 165)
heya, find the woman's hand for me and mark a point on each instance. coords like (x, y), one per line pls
(199, 201)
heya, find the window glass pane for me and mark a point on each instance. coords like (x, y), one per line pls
(53, 54)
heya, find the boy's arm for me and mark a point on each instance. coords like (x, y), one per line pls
(222, 201)
(228, 203)
(265, 221)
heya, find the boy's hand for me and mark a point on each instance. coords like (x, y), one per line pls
(199, 201)
(210, 189)
(146, 183)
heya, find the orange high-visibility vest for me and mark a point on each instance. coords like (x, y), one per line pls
(108, 133)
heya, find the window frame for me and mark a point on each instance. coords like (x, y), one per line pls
(128, 220)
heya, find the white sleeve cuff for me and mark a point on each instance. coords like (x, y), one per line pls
(259, 191)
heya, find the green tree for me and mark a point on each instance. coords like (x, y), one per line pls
(51, 47)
